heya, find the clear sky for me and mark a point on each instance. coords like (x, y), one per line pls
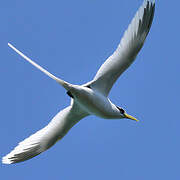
(72, 39)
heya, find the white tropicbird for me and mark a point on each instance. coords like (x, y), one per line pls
(90, 98)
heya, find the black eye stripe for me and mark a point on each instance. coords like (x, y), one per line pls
(121, 110)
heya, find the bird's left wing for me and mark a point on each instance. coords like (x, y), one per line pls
(130, 45)
(46, 137)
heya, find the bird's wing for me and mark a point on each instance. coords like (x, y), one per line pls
(130, 45)
(46, 137)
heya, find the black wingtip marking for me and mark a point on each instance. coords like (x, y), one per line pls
(69, 94)
(88, 86)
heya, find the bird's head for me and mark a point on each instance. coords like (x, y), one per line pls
(125, 115)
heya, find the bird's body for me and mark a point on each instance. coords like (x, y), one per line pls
(92, 97)
(94, 103)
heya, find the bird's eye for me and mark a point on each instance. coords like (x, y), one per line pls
(121, 110)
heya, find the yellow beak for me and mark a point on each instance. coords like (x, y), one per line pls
(130, 117)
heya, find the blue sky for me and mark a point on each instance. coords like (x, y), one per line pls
(72, 39)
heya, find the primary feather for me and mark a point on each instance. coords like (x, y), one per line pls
(46, 137)
(130, 45)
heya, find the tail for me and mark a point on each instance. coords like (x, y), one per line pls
(65, 84)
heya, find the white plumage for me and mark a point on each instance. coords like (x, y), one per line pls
(46, 137)
(90, 98)
(127, 50)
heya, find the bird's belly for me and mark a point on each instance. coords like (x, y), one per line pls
(95, 103)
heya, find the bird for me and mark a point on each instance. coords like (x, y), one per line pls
(90, 98)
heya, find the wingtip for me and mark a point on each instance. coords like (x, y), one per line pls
(5, 160)
(150, 1)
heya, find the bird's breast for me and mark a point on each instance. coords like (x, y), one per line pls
(95, 103)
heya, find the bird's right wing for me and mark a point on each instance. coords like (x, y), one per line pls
(130, 45)
(46, 137)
